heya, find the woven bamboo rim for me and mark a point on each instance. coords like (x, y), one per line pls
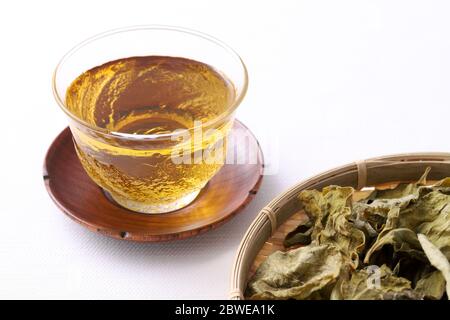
(360, 174)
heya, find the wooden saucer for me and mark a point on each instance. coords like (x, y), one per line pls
(227, 193)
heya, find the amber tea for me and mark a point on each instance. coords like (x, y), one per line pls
(146, 97)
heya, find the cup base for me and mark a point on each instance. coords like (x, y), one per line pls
(77, 196)
(146, 208)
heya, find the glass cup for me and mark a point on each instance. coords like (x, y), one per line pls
(151, 172)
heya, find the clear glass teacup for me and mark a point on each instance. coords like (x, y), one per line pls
(150, 109)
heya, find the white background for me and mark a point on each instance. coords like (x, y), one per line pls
(335, 81)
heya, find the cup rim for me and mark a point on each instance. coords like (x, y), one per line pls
(123, 135)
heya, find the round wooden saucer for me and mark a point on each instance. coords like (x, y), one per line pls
(228, 192)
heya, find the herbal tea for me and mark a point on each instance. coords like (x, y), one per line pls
(151, 95)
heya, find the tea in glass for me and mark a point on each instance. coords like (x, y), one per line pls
(133, 114)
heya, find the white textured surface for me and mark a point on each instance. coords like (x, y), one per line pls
(335, 81)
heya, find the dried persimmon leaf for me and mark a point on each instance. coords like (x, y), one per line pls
(297, 274)
(374, 283)
(403, 232)
(437, 259)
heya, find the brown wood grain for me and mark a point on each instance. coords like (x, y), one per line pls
(227, 193)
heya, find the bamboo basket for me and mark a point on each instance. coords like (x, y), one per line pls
(266, 233)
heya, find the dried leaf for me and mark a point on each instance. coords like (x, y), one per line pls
(437, 259)
(298, 274)
(300, 235)
(399, 238)
(331, 213)
(374, 283)
(432, 285)
(402, 240)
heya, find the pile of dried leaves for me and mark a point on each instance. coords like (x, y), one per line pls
(394, 244)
